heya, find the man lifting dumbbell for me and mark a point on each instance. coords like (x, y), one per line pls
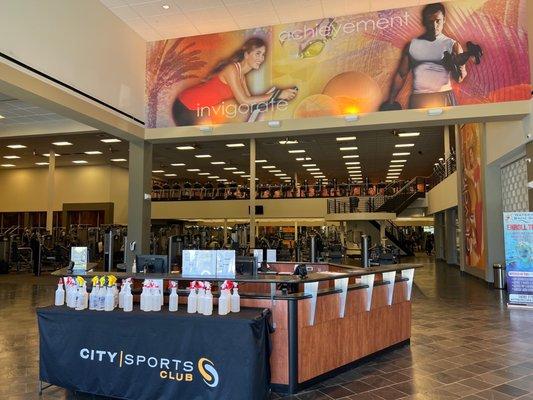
(434, 59)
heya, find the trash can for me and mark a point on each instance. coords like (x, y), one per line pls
(499, 276)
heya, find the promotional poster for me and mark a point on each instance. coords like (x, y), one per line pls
(472, 194)
(518, 233)
(445, 54)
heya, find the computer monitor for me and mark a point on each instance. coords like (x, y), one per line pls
(152, 263)
(246, 266)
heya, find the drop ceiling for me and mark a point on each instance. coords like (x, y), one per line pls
(163, 19)
(17, 112)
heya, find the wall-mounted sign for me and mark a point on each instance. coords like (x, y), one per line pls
(445, 54)
(518, 233)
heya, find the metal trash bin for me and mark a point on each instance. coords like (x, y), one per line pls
(499, 276)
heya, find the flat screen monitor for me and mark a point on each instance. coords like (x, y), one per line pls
(79, 256)
(151, 263)
(245, 265)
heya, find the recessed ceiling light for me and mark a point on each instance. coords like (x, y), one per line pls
(171, 175)
(287, 141)
(351, 156)
(11, 157)
(316, 173)
(348, 148)
(308, 165)
(213, 177)
(194, 170)
(16, 146)
(202, 155)
(235, 145)
(296, 151)
(158, 171)
(218, 162)
(238, 172)
(401, 154)
(7, 165)
(321, 176)
(245, 176)
(272, 171)
(41, 163)
(398, 161)
(165, 6)
(48, 155)
(394, 170)
(93, 152)
(313, 169)
(405, 145)
(260, 161)
(204, 173)
(230, 169)
(268, 166)
(111, 140)
(62, 144)
(357, 167)
(303, 159)
(352, 162)
(408, 134)
(222, 180)
(187, 147)
(179, 164)
(79, 162)
(280, 174)
(441, 159)
(346, 138)
(119, 160)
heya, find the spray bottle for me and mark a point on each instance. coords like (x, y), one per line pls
(60, 293)
(192, 300)
(156, 297)
(223, 300)
(208, 300)
(93, 298)
(173, 298)
(128, 297)
(235, 299)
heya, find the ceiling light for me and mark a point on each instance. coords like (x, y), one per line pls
(303, 159)
(194, 170)
(268, 166)
(79, 162)
(202, 155)
(436, 164)
(401, 154)
(204, 173)
(260, 161)
(218, 162)
(213, 177)
(16, 146)
(296, 151)
(440, 159)
(357, 167)
(158, 171)
(287, 141)
(119, 160)
(92, 153)
(308, 165)
(222, 180)
(41, 163)
(351, 118)
(230, 169)
(238, 172)
(171, 175)
(394, 170)
(274, 170)
(280, 174)
(110, 140)
(245, 176)
(62, 144)
(48, 155)
(316, 173)
(165, 6)
(2, 117)
(351, 156)
(11, 157)
(235, 145)
(405, 145)
(435, 111)
(320, 176)
(352, 162)
(7, 165)
(274, 124)
(313, 169)
(179, 164)
(346, 138)
(206, 128)
(398, 161)
(408, 134)
(348, 148)
(185, 147)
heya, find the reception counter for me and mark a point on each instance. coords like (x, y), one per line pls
(323, 323)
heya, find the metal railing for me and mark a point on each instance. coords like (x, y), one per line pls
(442, 170)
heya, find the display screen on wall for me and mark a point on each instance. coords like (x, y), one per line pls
(451, 53)
(472, 195)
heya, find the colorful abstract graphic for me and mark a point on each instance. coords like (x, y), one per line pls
(472, 193)
(345, 65)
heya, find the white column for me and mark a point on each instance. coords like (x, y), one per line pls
(51, 192)
(252, 194)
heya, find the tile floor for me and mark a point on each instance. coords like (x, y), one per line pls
(465, 344)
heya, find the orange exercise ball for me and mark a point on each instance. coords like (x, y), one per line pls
(355, 92)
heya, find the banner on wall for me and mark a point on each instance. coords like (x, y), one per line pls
(518, 235)
(445, 54)
(472, 195)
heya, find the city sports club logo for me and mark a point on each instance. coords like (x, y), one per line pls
(170, 368)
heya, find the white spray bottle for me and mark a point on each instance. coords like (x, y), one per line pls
(60, 294)
(173, 298)
(235, 299)
(208, 300)
(192, 299)
(128, 297)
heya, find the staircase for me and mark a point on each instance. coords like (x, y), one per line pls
(396, 236)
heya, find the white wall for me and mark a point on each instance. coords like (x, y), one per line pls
(80, 43)
(443, 196)
(504, 137)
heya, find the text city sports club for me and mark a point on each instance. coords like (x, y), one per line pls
(170, 368)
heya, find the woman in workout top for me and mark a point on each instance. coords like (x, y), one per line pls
(227, 81)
